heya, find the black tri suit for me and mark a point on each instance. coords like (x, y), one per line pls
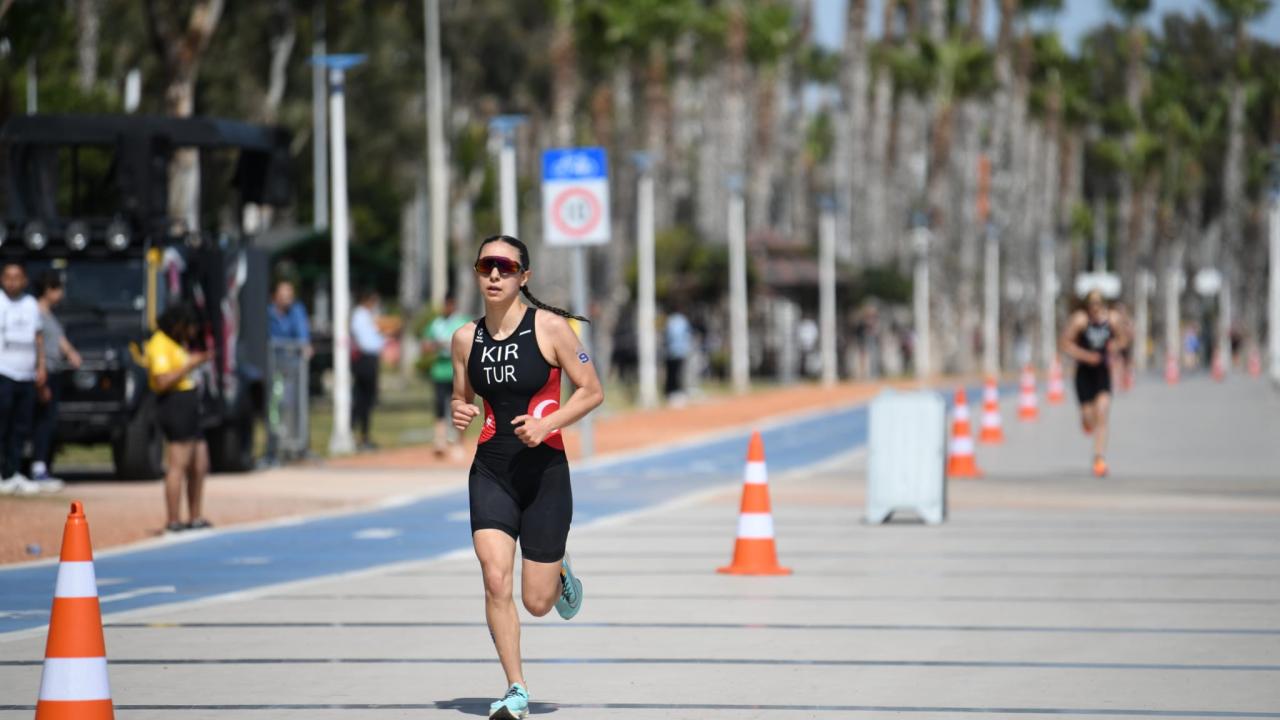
(1093, 380)
(522, 491)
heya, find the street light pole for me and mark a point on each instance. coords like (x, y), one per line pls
(340, 441)
(505, 126)
(991, 303)
(739, 345)
(319, 131)
(437, 161)
(920, 300)
(1273, 311)
(827, 289)
(646, 310)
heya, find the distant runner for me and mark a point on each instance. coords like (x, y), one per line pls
(1093, 333)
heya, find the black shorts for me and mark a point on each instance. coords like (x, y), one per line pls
(444, 397)
(179, 416)
(528, 498)
(1092, 381)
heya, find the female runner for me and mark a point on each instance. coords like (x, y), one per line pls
(519, 483)
(1092, 334)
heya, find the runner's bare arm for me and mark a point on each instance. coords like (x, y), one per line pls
(572, 358)
(463, 402)
(1123, 329)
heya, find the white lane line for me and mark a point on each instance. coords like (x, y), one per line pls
(130, 594)
(376, 533)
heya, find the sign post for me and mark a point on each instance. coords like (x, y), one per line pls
(575, 214)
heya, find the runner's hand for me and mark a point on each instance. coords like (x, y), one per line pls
(463, 414)
(1092, 358)
(531, 430)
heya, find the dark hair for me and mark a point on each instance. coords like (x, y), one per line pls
(174, 319)
(366, 294)
(524, 265)
(48, 280)
(275, 286)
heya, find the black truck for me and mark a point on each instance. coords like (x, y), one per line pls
(88, 196)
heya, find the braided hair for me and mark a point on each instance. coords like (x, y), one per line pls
(524, 264)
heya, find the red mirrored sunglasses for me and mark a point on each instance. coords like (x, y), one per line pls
(506, 266)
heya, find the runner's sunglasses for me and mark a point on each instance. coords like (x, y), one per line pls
(506, 266)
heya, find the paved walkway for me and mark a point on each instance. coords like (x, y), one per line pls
(1155, 593)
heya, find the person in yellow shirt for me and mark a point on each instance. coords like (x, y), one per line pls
(170, 369)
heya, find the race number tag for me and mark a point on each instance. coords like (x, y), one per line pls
(583, 357)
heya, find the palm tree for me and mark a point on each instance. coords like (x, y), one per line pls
(1237, 13)
(880, 220)
(1131, 201)
(851, 137)
(181, 45)
(770, 38)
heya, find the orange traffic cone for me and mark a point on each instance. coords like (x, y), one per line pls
(992, 431)
(1255, 362)
(754, 552)
(1028, 408)
(960, 460)
(1171, 370)
(1219, 367)
(74, 684)
(1057, 391)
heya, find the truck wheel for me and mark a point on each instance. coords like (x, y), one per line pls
(231, 446)
(138, 452)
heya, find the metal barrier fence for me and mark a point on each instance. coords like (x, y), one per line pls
(288, 418)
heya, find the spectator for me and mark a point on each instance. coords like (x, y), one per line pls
(170, 370)
(22, 371)
(679, 343)
(438, 341)
(367, 344)
(288, 327)
(59, 355)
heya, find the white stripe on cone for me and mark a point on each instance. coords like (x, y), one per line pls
(756, 474)
(989, 394)
(76, 580)
(75, 679)
(962, 445)
(990, 418)
(962, 412)
(755, 526)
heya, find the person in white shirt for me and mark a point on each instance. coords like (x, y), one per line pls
(367, 343)
(22, 372)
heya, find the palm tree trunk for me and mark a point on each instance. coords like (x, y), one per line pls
(181, 50)
(763, 151)
(657, 130)
(88, 23)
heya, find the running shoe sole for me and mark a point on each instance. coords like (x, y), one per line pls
(504, 713)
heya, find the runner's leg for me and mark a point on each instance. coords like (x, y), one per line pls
(496, 551)
(540, 586)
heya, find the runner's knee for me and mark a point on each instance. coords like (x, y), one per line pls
(497, 583)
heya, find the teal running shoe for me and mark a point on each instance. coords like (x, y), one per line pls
(570, 601)
(515, 706)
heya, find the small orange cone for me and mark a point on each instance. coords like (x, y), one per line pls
(74, 684)
(754, 552)
(1057, 391)
(1219, 367)
(992, 431)
(1028, 407)
(960, 460)
(1171, 370)
(1255, 362)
